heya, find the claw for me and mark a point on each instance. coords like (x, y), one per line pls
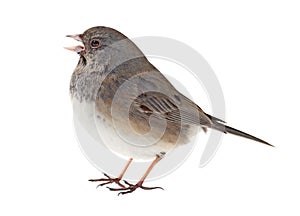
(131, 188)
(107, 180)
(129, 184)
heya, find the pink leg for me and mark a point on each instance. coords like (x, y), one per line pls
(109, 180)
(131, 187)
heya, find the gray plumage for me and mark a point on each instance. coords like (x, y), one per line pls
(101, 72)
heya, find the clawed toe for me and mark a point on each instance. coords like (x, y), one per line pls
(131, 187)
(108, 180)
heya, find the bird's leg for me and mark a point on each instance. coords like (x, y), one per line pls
(109, 180)
(132, 187)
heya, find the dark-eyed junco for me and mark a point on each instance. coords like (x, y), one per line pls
(142, 115)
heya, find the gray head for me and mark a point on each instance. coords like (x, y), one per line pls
(103, 50)
(100, 41)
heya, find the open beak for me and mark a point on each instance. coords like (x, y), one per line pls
(78, 48)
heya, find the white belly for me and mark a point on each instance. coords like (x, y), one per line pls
(105, 133)
(103, 147)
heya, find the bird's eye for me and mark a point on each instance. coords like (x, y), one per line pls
(95, 43)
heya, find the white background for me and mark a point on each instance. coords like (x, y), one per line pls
(253, 47)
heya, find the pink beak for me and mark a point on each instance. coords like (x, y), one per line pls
(77, 37)
(78, 48)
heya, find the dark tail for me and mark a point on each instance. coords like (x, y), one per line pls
(219, 125)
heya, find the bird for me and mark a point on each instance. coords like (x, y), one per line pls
(142, 115)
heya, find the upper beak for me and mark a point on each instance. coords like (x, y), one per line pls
(77, 37)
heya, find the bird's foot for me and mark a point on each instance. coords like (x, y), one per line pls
(108, 180)
(132, 187)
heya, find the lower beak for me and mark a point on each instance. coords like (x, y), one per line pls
(77, 49)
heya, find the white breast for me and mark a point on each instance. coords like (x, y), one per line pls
(103, 131)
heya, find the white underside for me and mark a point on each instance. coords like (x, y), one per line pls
(105, 132)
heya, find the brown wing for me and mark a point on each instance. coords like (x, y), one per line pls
(178, 109)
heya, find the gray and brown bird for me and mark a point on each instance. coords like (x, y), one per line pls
(142, 115)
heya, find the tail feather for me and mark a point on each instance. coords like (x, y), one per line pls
(217, 125)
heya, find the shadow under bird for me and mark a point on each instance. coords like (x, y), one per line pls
(114, 81)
